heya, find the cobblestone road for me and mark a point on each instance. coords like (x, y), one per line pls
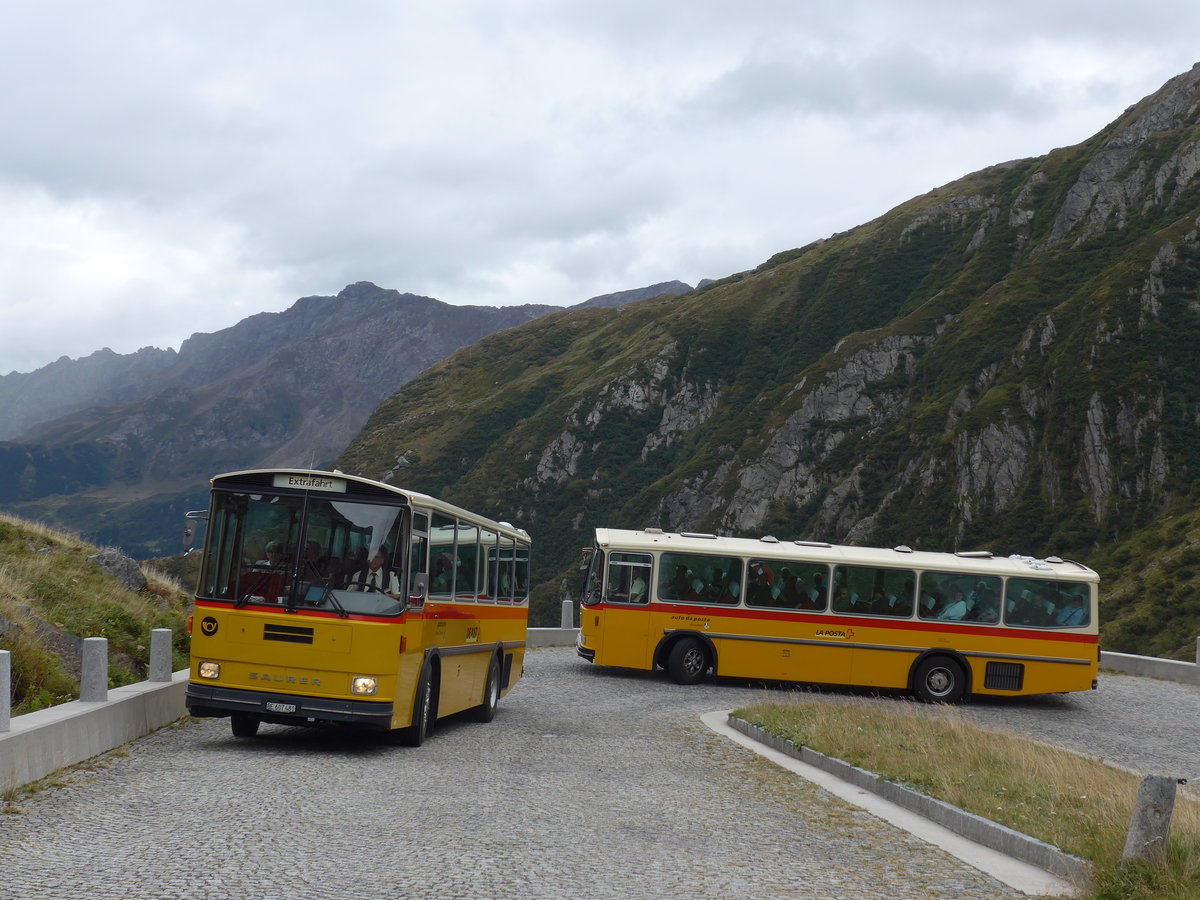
(590, 783)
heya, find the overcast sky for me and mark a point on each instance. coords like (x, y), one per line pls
(170, 168)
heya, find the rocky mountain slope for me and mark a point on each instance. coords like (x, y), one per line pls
(287, 388)
(114, 446)
(1009, 361)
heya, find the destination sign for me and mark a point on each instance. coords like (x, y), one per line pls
(311, 483)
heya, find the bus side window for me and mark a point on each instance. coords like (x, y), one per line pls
(442, 559)
(628, 578)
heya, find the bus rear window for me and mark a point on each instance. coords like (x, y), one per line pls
(1046, 604)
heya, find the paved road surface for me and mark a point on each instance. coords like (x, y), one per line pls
(590, 783)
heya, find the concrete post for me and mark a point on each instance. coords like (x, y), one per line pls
(568, 615)
(5, 691)
(93, 676)
(1150, 825)
(160, 654)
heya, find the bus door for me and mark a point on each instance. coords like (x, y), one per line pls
(624, 619)
(452, 622)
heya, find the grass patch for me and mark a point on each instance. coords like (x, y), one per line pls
(50, 595)
(1077, 804)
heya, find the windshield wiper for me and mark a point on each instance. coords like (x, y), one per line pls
(250, 591)
(329, 595)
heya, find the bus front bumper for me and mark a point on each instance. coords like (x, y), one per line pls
(586, 652)
(210, 701)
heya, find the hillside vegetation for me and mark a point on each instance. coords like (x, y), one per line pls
(51, 597)
(1009, 362)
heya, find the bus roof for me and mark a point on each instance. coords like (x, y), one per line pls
(820, 552)
(414, 498)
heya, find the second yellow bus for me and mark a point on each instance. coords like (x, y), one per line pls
(942, 625)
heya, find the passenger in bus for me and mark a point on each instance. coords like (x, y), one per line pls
(443, 574)
(1074, 612)
(882, 604)
(315, 566)
(819, 590)
(1023, 610)
(377, 576)
(902, 605)
(1048, 609)
(956, 608)
(272, 555)
(732, 591)
(714, 587)
(790, 594)
(841, 598)
(758, 587)
(678, 586)
(637, 588)
(987, 609)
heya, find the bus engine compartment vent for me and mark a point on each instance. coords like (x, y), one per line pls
(290, 634)
(1004, 676)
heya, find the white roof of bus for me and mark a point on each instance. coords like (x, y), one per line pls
(818, 552)
(414, 497)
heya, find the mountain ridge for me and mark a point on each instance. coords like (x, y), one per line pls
(114, 445)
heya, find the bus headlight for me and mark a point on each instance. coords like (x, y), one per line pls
(364, 684)
(209, 670)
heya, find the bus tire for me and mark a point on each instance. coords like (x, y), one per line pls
(243, 726)
(688, 661)
(486, 711)
(940, 679)
(424, 715)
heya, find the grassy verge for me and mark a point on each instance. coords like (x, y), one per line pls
(1080, 805)
(50, 595)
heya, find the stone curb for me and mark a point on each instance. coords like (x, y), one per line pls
(972, 827)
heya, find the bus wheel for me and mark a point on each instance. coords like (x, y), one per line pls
(940, 679)
(486, 711)
(688, 661)
(243, 726)
(424, 709)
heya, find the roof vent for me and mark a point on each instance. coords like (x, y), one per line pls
(1054, 559)
(769, 539)
(974, 554)
(903, 548)
(653, 530)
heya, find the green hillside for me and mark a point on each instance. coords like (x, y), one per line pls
(50, 595)
(1009, 362)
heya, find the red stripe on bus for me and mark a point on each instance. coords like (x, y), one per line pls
(911, 625)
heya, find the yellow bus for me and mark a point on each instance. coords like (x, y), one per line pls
(325, 598)
(941, 625)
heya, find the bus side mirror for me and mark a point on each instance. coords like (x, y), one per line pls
(190, 527)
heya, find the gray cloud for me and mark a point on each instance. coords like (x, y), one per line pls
(170, 168)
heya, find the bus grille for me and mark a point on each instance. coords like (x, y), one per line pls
(1004, 676)
(288, 633)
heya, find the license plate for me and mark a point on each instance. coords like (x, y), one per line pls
(281, 707)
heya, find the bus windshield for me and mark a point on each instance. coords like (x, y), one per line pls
(305, 551)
